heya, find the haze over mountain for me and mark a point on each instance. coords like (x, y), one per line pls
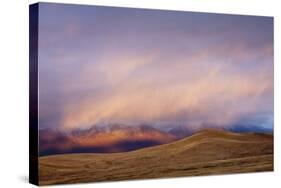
(153, 67)
(115, 138)
(101, 80)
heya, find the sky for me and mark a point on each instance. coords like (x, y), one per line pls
(105, 65)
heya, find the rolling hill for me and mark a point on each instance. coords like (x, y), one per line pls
(206, 152)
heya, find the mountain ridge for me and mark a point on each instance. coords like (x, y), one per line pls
(102, 139)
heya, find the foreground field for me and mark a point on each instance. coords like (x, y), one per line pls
(207, 152)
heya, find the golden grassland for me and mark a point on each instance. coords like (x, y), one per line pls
(205, 153)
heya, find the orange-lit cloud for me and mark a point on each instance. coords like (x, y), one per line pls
(189, 89)
(106, 66)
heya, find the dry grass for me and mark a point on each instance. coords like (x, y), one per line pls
(207, 152)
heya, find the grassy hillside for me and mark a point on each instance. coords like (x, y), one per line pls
(206, 152)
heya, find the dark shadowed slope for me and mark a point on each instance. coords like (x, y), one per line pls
(206, 152)
(52, 142)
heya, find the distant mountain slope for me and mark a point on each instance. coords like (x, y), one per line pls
(249, 128)
(102, 139)
(206, 152)
(53, 142)
(180, 131)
